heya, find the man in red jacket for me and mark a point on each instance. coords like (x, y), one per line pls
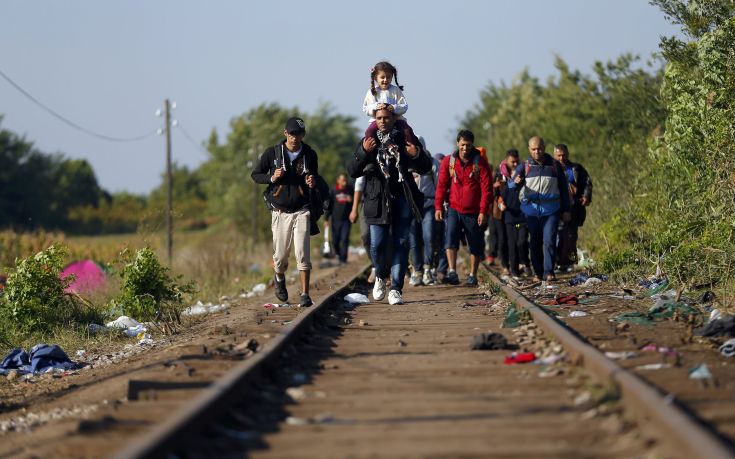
(466, 178)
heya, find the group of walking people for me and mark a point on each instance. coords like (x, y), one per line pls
(410, 203)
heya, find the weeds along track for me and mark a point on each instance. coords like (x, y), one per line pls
(401, 381)
(693, 431)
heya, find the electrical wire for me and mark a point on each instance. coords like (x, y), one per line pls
(72, 123)
(191, 139)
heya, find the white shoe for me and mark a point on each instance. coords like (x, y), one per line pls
(427, 276)
(394, 297)
(415, 279)
(379, 289)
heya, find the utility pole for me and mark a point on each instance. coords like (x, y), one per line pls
(169, 186)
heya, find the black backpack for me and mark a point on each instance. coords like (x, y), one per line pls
(319, 196)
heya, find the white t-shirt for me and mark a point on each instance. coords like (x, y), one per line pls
(360, 184)
(294, 154)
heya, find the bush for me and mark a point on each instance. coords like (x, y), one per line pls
(148, 292)
(34, 298)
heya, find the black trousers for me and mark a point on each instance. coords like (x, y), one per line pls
(517, 234)
(341, 238)
(499, 241)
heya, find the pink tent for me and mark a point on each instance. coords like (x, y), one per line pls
(89, 276)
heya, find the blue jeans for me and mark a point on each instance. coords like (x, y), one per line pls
(398, 230)
(442, 264)
(543, 242)
(423, 236)
(457, 222)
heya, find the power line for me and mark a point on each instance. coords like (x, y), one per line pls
(72, 123)
(191, 139)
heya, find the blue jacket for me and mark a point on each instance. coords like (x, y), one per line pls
(544, 189)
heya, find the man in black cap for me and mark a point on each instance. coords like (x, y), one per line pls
(289, 169)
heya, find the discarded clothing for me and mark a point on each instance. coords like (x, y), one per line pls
(586, 279)
(487, 341)
(524, 357)
(728, 348)
(724, 326)
(42, 358)
(568, 299)
(579, 279)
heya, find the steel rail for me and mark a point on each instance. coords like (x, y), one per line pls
(682, 428)
(216, 398)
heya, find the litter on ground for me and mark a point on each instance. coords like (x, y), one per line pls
(523, 357)
(622, 355)
(199, 308)
(356, 298)
(40, 359)
(129, 326)
(490, 341)
(700, 372)
(653, 366)
(728, 348)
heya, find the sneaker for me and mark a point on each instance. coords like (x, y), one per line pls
(305, 300)
(416, 279)
(471, 280)
(489, 260)
(451, 278)
(428, 280)
(394, 297)
(371, 277)
(379, 289)
(281, 292)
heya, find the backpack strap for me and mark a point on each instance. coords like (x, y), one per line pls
(280, 161)
(476, 167)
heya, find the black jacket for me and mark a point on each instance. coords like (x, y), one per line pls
(581, 188)
(290, 193)
(378, 189)
(512, 200)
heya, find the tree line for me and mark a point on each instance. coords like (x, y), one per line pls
(655, 134)
(39, 190)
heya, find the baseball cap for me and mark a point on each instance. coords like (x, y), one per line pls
(295, 125)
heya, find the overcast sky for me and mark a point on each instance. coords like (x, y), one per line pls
(108, 65)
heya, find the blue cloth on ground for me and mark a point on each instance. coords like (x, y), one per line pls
(42, 358)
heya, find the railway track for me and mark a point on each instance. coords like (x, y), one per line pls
(393, 381)
(386, 381)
